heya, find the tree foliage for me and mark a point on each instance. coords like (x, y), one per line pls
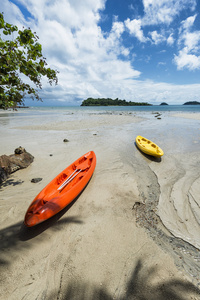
(111, 102)
(22, 55)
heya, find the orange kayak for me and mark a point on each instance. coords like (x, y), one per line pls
(61, 191)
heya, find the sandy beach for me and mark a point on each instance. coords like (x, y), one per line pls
(134, 233)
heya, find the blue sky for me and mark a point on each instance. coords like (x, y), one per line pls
(139, 50)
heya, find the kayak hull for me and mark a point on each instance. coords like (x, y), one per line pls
(148, 147)
(53, 198)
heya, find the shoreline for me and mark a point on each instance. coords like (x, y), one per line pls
(119, 226)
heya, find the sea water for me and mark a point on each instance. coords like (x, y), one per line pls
(42, 114)
(161, 108)
(101, 109)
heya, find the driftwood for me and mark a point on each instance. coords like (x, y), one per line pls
(11, 163)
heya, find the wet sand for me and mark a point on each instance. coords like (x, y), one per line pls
(134, 231)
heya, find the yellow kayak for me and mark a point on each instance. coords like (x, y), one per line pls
(148, 147)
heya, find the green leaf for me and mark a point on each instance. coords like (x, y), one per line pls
(5, 32)
(23, 55)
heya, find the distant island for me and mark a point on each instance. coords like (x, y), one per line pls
(192, 103)
(163, 103)
(111, 102)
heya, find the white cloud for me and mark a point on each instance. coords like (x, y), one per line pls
(157, 12)
(188, 23)
(125, 51)
(164, 11)
(118, 28)
(134, 28)
(170, 40)
(112, 42)
(192, 41)
(157, 38)
(187, 60)
(12, 13)
(149, 91)
(161, 63)
(188, 57)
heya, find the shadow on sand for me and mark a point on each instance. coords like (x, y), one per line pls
(27, 233)
(149, 157)
(9, 182)
(140, 286)
(15, 235)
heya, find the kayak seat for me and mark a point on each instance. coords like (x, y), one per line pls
(61, 178)
(44, 201)
(82, 160)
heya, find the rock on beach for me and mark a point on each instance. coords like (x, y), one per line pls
(10, 163)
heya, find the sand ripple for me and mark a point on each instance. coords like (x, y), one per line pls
(179, 203)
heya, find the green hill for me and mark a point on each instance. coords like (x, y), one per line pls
(111, 102)
(192, 103)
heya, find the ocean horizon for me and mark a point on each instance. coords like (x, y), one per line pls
(162, 108)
